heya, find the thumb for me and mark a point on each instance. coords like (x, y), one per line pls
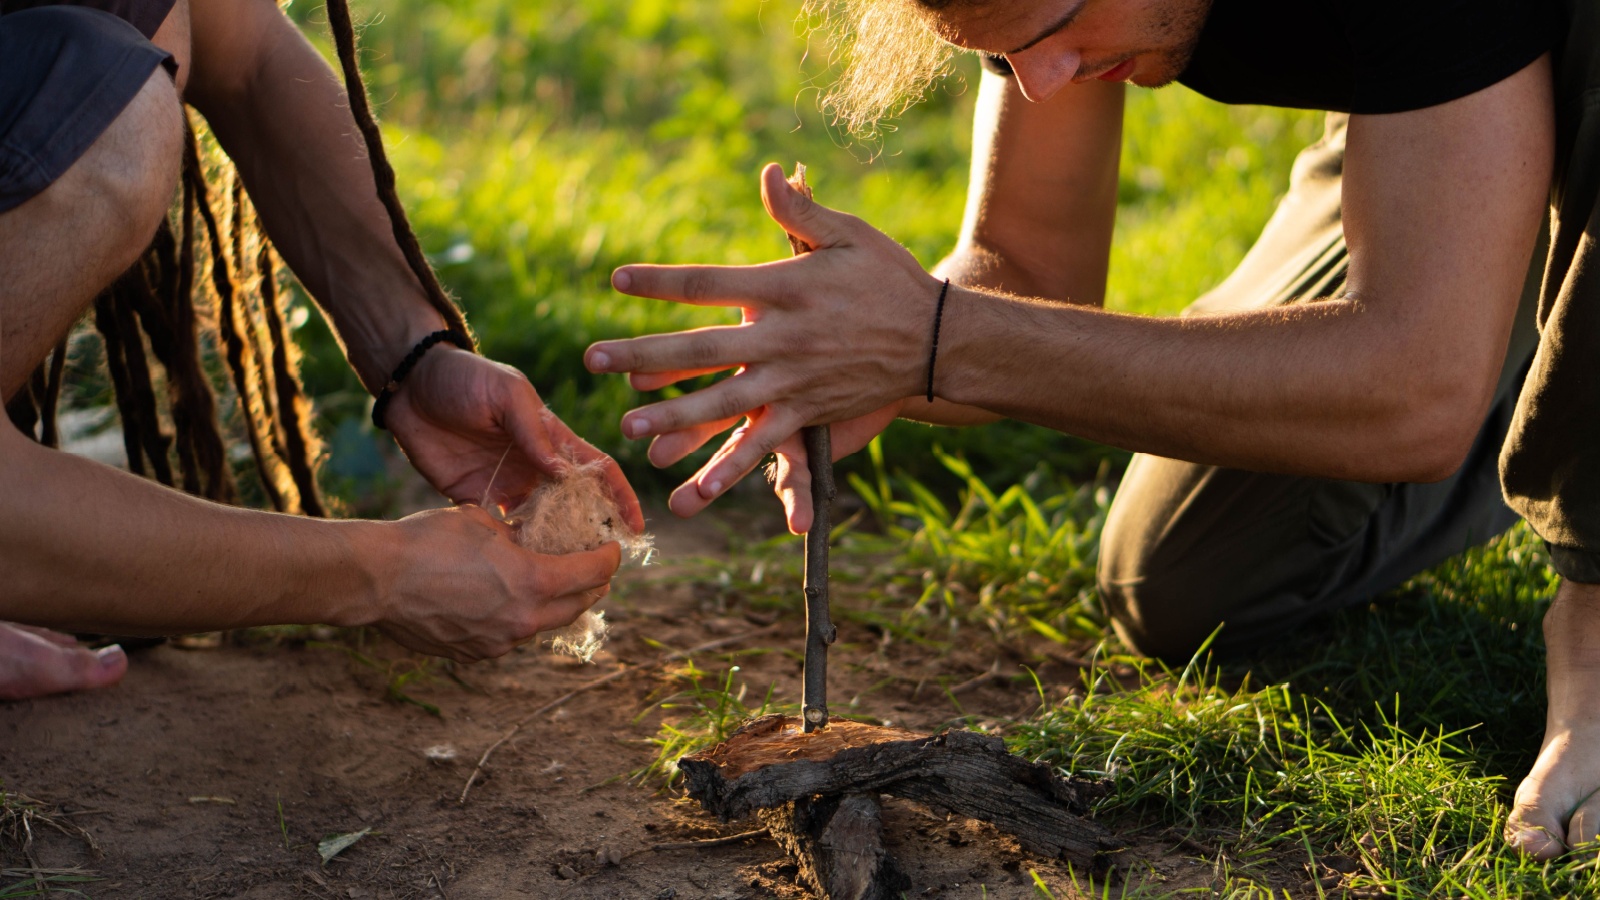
(799, 215)
(573, 573)
(530, 427)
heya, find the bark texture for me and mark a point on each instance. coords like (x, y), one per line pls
(837, 841)
(772, 761)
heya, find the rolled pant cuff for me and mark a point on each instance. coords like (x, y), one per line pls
(1574, 564)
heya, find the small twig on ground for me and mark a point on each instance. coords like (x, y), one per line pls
(699, 845)
(600, 682)
(19, 813)
(995, 673)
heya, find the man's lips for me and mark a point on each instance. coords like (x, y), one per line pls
(1120, 72)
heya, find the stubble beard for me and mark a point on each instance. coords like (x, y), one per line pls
(1178, 35)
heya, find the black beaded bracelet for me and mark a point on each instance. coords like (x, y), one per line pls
(380, 403)
(938, 317)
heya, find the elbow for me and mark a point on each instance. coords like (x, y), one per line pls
(1432, 429)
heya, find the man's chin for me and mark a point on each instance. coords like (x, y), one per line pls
(1162, 70)
(1159, 80)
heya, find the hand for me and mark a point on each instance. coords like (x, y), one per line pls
(791, 473)
(458, 413)
(836, 334)
(458, 585)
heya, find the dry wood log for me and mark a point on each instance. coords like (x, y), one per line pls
(838, 843)
(772, 761)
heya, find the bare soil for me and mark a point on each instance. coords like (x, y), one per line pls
(216, 772)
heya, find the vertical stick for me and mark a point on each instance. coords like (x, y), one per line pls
(819, 624)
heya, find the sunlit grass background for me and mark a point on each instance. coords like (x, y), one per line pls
(540, 144)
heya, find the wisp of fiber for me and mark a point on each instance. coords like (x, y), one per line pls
(572, 514)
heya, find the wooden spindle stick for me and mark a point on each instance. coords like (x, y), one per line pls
(819, 624)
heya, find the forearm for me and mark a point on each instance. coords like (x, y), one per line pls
(1334, 389)
(284, 119)
(1041, 202)
(87, 547)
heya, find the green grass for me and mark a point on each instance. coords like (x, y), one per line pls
(1390, 734)
(702, 710)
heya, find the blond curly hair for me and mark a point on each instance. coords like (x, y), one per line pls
(889, 55)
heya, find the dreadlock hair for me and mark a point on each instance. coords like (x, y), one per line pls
(208, 287)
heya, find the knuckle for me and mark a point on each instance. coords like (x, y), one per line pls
(798, 345)
(702, 350)
(696, 284)
(787, 295)
(727, 405)
(769, 442)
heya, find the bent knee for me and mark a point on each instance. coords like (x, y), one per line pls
(105, 208)
(135, 165)
(1167, 594)
(1159, 617)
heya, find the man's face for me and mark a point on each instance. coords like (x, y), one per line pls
(1053, 43)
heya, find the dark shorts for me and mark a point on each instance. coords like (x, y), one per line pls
(66, 72)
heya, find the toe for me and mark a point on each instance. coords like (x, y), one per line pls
(1535, 833)
(1584, 825)
(1537, 824)
(39, 668)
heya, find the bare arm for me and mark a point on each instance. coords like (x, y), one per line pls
(1041, 204)
(282, 115)
(1042, 195)
(87, 547)
(1441, 210)
(1442, 207)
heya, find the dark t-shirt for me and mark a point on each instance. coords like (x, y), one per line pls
(1363, 56)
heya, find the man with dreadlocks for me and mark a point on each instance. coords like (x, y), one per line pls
(1344, 411)
(92, 144)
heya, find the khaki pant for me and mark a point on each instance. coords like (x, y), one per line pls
(1188, 547)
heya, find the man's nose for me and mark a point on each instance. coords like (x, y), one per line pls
(1041, 71)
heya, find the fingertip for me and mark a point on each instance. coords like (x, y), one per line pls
(710, 488)
(597, 359)
(686, 501)
(622, 279)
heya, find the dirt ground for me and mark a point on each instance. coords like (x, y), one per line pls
(216, 772)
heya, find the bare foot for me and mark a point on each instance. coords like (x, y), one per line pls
(36, 662)
(1557, 807)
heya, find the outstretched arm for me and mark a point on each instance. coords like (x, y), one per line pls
(282, 115)
(1388, 383)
